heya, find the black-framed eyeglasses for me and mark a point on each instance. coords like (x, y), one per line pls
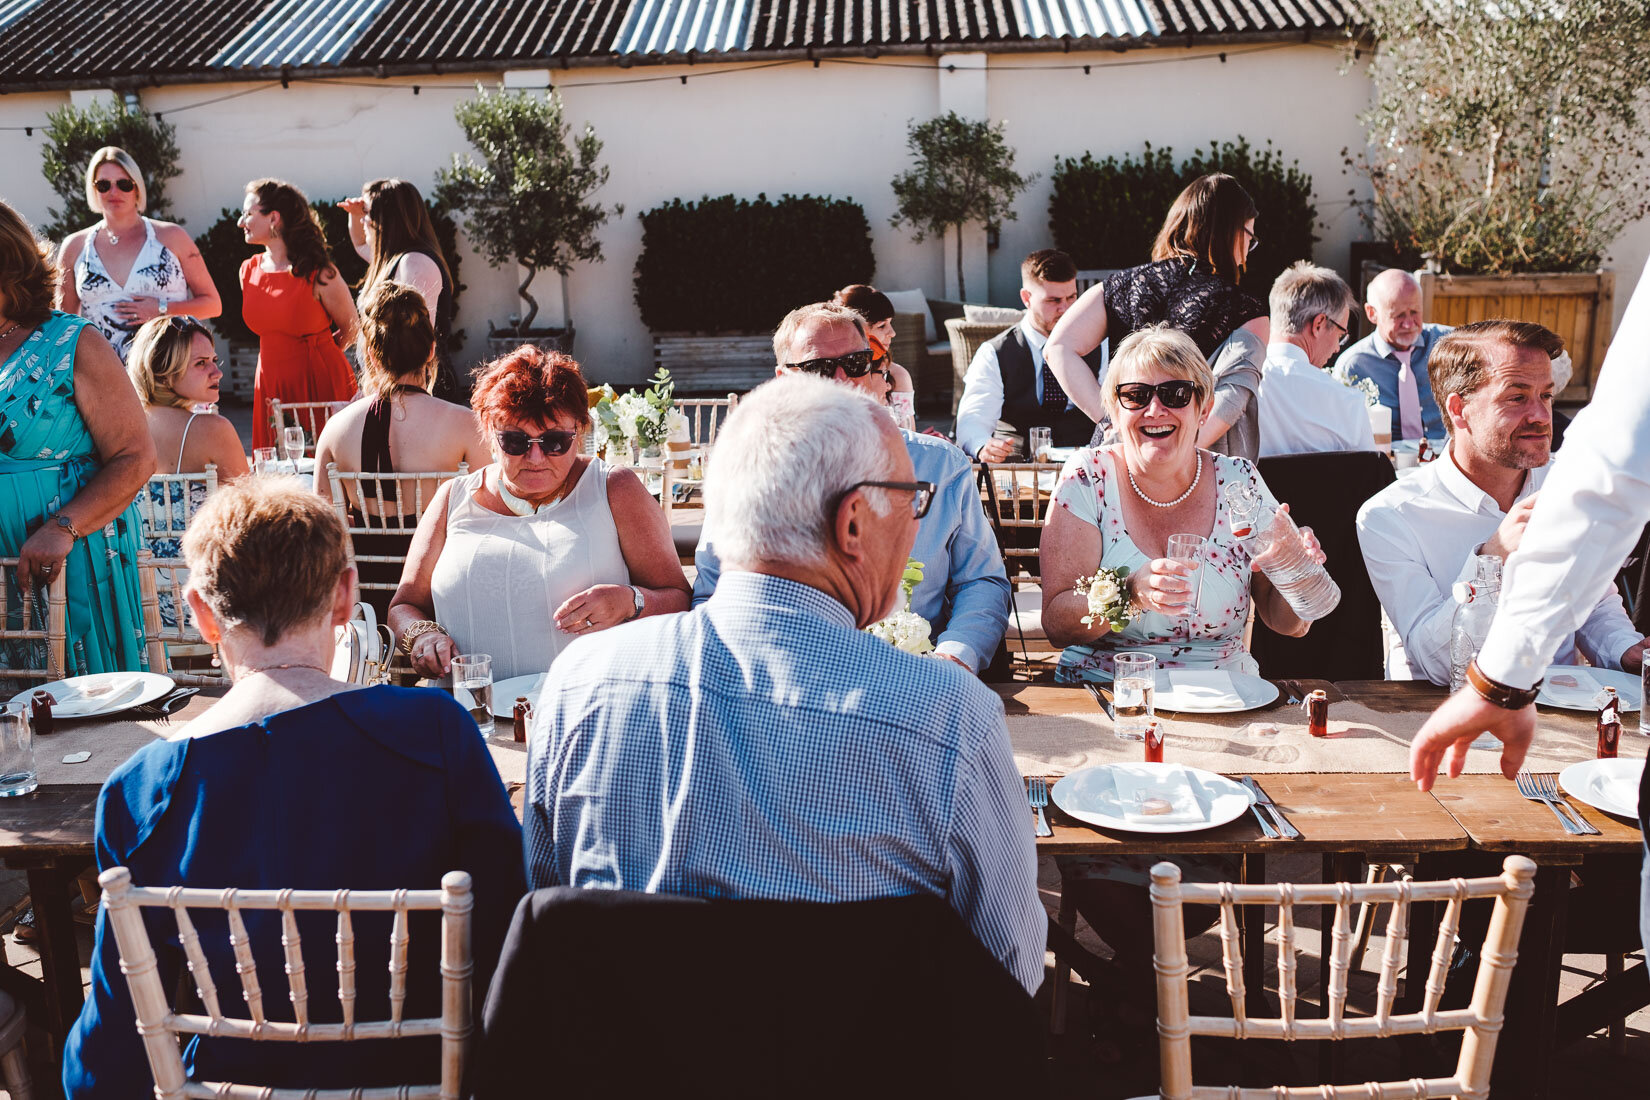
(125, 185)
(855, 364)
(1176, 394)
(1254, 241)
(1345, 333)
(516, 443)
(922, 493)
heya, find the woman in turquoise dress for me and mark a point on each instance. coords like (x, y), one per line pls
(74, 453)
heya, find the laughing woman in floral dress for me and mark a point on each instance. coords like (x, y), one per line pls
(74, 452)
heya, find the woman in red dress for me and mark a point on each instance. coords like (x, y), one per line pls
(294, 299)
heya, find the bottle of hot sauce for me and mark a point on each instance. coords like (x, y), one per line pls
(1317, 713)
(520, 715)
(1154, 743)
(1609, 725)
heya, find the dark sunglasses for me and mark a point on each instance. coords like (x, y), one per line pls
(517, 443)
(103, 186)
(856, 364)
(1174, 395)
(187, 326)
(922, 493)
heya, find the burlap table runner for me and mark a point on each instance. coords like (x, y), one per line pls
(1360, 740)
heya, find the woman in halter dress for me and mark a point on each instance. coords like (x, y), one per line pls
(129, 269)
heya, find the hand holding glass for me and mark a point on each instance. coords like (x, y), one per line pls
(1189, 551)
(1134, 689)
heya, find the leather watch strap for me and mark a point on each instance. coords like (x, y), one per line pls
(1498, 694)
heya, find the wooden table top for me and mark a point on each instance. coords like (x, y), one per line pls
(1499, 819)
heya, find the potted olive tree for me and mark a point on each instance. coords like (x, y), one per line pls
(527, 200)
(1505, 150)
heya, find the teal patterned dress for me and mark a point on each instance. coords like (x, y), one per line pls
(47, 456)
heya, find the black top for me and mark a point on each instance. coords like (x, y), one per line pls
(1188, 296)
(375, 448)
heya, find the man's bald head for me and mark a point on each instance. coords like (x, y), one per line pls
(1394, 307)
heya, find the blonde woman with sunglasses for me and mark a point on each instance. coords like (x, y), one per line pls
(128, 269)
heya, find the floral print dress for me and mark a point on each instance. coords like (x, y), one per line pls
(156, 273)
(1088, 490)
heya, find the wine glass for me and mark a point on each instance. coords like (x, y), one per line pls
(1190, 550)
(292, 442)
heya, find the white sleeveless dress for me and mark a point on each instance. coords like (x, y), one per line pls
(500, 579)
(156, 273)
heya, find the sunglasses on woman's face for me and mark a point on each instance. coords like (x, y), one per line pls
(856, 364)
(103, 186)
(517, 443)
(1174, 395)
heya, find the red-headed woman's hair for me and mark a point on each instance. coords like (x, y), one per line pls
(531, 386)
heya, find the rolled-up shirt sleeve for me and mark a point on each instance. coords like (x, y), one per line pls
(982, 401)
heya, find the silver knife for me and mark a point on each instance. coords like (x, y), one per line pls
(1264, 799)
(1100, 697)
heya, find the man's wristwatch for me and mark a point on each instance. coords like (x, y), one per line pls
(1498, 694)
(636, 593)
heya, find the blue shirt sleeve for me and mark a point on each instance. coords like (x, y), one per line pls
(707, 567)
(975, 584)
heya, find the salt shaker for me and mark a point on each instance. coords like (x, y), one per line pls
(1609, 725)
(1317, 713)
(520, 714)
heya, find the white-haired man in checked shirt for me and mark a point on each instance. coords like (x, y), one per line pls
(762, 745)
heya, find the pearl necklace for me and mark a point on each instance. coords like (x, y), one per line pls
(9, 329)
(1190, 489)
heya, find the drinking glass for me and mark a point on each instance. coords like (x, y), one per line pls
(17, 771)
(1041, 440)
(1134, 688)
(1190, 550)
(473, 688)
(1644, 698)
(292, 442)
(264, 460)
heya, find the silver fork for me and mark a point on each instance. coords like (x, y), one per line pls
(1530, 789)
(1547, 783)
(1039, 799)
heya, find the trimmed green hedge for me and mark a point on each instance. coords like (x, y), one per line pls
(739, 265)
(1107, 213)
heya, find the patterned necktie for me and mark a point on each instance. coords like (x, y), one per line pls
(1054, 398)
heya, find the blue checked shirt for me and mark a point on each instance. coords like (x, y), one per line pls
(761, 747)
(964, 593)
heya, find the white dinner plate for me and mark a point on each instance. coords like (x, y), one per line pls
(101, 693)
(1627, 686)
(1252, 692)
(1610, 785)
(506, 692)
(1090, 794)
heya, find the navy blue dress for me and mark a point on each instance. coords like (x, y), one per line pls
(370, 790)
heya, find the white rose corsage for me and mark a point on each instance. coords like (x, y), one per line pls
(905, 629)
(1107, 593)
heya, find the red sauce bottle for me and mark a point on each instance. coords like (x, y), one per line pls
(40, 713)
(1154, 743)
(1317, 713)
(520, 714)
(1609, 726)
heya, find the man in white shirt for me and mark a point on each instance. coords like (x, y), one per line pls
(1303, 408)
(1419, 536)
(1009, 380)
(1395, 355)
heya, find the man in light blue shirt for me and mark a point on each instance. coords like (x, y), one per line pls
(763, 745)
(964, 593)
(1395, 355)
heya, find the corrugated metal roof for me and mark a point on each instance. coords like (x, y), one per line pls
(72, 40)
(683, 26)
(14, 9)
(300, 32)
(799, 24)
(1176, 17)
(451, 32)
(1084, 18)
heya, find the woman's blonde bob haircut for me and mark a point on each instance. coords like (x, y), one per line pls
(1168, 350)
(160, 353)
(265, 553)
(113, 154)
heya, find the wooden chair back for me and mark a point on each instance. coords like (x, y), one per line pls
(1025, 491)
(161, 1027)
(40, 631)
(312, 415)
(157, 575)
(1481, 1021)
(167, 503)
(705, 416)
(398, 497)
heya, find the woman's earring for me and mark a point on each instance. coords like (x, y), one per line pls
(217, 657)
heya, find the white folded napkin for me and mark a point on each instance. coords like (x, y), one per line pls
(1579, 694)
(75, 702)
(1201, 688)
(1174, 784)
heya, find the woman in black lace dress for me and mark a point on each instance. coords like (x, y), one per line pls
(1191, 284)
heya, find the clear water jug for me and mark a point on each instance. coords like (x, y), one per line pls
(1297, 576)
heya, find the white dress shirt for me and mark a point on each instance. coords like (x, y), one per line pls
(1304, 408)
(981, 405)
(1419, 537)
(1587, 520)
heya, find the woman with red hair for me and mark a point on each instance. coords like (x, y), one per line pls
(546, 543)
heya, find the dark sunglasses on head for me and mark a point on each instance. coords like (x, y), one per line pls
(1174, 395)
(856, 364)
(517, 443)
(188, 326)
(103, 186)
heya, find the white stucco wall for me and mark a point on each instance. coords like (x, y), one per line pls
(838, 130)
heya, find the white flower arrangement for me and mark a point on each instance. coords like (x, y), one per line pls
(1366, 386)
(905, 629)
(1107, 593)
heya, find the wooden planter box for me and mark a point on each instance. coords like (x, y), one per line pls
(1580, 308)
(717, 363)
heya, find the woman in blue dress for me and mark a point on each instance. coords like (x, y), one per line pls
(74, 453)
(295, 780)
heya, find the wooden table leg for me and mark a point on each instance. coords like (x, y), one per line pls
(1062, 970)
(1524, 1055)
(59, 951)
